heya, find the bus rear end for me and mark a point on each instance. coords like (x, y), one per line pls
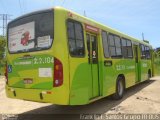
(35, 68)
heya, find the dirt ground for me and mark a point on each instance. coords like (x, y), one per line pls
(142, 98)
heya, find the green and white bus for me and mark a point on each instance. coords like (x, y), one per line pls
(60, 57)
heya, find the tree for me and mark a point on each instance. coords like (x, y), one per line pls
(2, 54)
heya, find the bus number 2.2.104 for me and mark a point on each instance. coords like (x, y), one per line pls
(45, 60)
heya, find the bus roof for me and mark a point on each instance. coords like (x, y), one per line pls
(104, 27)
(90, 21)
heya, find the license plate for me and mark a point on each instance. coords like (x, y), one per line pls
(28, 81)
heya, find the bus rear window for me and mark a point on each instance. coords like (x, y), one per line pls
(31, 33)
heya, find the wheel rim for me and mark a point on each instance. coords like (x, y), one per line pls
(120, 88)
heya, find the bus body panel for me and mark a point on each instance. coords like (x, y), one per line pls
(29, 69)
(80, 86)
(156, 63)
(145, 67)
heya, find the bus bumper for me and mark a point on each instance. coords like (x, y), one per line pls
(47, 96)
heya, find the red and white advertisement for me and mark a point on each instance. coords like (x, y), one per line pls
(21, 37)
(91, 28)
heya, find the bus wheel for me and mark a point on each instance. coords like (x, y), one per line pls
(120, 87)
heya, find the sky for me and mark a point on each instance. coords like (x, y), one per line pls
(132, 17)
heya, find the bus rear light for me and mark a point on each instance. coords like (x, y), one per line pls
(6, 73)
(58, 73)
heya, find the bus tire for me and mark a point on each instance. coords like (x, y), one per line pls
(120, 88)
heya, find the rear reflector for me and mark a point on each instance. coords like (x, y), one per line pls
(58, 73)
(49, 92)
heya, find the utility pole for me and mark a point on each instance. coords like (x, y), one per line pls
(84, 13)
(143, 36)
(5, 18)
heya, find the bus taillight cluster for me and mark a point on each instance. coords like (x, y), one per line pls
(58, 73)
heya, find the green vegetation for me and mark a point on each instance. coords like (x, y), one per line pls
(2, 54)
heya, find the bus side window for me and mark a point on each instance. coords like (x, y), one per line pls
(118, 46)
(127, 48)
(105, 44)
(112, 47)
(147, 52)
(143, 55)
(115, 46)
(124, 48)
(75, 39)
